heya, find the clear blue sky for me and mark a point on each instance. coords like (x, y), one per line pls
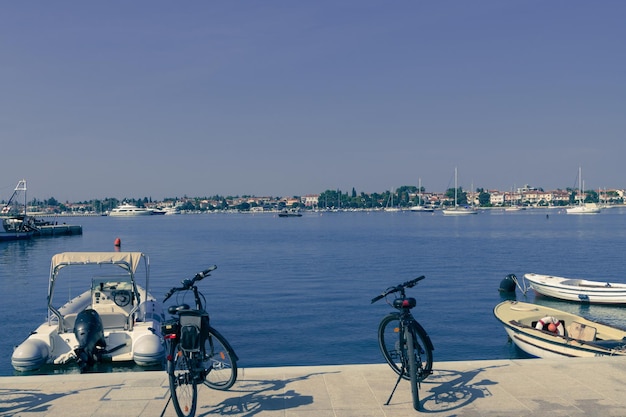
(279, 98)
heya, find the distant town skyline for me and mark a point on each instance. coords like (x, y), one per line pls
(515, 190)
(133, 99)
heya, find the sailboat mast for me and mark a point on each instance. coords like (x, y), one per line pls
(419, 191)
(455, 187)
(580, 186)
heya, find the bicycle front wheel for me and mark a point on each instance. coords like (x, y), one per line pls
(183, 386)
(412, 365)
(219, 361)
(393, 345)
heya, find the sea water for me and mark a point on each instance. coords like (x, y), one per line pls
(297, 291)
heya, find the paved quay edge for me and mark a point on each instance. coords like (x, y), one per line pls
(537, 387)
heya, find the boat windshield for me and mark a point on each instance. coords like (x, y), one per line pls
(113, 293)
(111, 283)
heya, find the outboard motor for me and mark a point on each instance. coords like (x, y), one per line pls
(89, 333)
(508, 284)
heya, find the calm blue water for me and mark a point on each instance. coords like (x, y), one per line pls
(296, 291)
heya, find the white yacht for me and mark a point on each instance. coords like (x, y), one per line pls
(130, 210)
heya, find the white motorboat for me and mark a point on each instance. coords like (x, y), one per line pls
(422, 209)
(586, 208)
(115, 319)
(575, 289)
(546, 332)
(171, 210)
(16, 226)
(126, 209)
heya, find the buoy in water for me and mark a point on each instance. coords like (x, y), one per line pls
(508, 283)
(117, 242)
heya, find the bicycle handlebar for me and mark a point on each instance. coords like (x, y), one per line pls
(189, 283)
(391, 290)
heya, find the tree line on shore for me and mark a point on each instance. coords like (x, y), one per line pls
(403, 197)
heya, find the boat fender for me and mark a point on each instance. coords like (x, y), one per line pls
(551, 320)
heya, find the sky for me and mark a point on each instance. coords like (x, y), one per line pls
(166, 99)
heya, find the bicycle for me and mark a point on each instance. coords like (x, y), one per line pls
(404, 343)
(196, 352)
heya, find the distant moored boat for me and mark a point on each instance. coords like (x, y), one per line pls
(130, 210)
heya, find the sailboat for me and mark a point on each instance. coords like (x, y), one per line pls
(458, 210)
(582, 207)
(390, 206)
(511, 206)
(419, 207)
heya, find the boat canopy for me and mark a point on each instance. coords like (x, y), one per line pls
(127, 260)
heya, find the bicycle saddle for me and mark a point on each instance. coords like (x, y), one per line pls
(177, 309)
(409, 302)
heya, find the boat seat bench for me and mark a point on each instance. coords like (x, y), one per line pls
(581, 331)
(109, 321)
(113, 320)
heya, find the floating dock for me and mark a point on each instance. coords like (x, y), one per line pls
(58, 230)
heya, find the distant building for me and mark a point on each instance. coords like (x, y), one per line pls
(310, 200)
(290, 201)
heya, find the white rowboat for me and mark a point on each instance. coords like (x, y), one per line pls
(528, 326)
(580, 290)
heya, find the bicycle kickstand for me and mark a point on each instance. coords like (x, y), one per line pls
(167, 403)
(395, 386)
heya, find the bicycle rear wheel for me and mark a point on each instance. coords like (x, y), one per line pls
(392, 344)
(219, 361)
(183, 385)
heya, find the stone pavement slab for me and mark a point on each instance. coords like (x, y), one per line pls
(529, 387)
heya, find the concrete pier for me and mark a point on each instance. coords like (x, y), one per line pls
(530, 387)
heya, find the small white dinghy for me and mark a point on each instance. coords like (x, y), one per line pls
(115, 319)
(574, 289)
